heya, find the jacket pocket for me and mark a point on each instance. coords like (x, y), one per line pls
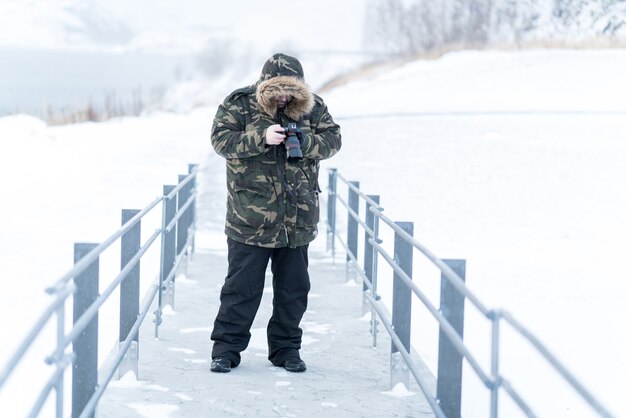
(308, 214)
(253, 202)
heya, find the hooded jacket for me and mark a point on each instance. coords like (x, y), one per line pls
(271, 202)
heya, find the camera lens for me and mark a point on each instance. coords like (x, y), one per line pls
(294, 152)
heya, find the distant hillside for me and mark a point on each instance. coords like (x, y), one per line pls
(417, 26)
(60, 24)
(188, 26)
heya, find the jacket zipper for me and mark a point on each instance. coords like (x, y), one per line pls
(281, 169)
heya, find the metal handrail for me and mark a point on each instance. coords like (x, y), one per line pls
(452, 277)
(358, 191)
(177, 261)
(182, 184)
(147, 302)
(34, 333)
(86, 261)
(355, 216)
(377, 210)
(65, 286)
(377, 305)
(178, 215)
(506, 385)
(493, 382)
(43, 396)
(455, 338)
(93, 309)
(555, 363)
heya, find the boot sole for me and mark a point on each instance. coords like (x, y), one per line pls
(220, 370)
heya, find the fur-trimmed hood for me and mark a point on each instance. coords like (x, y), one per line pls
(302, 99)
(283, 75)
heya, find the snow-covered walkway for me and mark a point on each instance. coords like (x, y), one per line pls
(346, 377)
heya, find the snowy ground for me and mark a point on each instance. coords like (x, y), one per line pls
(345, 377)
(513, 161)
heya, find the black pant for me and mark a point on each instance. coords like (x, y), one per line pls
(241, 296)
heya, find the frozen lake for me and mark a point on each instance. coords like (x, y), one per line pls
(32, 79)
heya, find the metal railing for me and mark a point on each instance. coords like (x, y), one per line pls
(446, 402)
(82, 283)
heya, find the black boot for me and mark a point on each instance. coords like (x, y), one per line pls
(295, 365)
(221, 365)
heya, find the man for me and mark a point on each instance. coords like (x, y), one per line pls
(272, 208)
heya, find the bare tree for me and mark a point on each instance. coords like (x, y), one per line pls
(389, 27)
(512, 21)
(427, 25)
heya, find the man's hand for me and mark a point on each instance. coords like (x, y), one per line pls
(274, 135)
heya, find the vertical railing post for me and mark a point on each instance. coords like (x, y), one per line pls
(331, 214)
(375, 279)
(369, 262)
(450, 368)
(353, 232)
(129, 294)
(170, 252)
(181, 225)
(168, 256)
(192, 208)
(495, 362)
(60, 352)
(401, 306)
(85, 346)
(368, 252)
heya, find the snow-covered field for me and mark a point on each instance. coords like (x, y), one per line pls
(68, 184)
(513, 161)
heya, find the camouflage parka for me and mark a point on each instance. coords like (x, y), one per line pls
(271, 202)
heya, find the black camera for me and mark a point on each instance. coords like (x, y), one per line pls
(292, 142)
